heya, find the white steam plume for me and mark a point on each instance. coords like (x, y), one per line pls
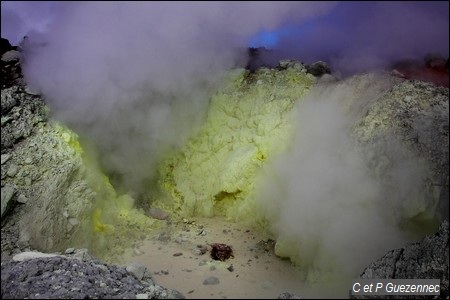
(136, 76)
(330, 213)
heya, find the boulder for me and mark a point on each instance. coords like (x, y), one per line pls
(427, 259)
(7, 194)
(23, 256)
(318, 68)
(5, 46)
(11, 72)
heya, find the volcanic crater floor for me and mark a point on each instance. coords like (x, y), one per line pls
(174, 258)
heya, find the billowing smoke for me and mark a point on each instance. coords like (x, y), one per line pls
(332, 212)
(136, 77)
(22, 18)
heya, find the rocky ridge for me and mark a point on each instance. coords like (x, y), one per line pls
(44, 181)
(76, 275)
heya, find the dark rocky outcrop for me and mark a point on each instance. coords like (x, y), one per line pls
(427, 259)
(318, 68)
(21, 113)
(77, 276)
(11, 72)
(259, 58)
(433, 68)
(5, 46)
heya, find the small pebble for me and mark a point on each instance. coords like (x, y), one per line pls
(178, 254)
(211, 280)
(69, 250)
(12, 170)
(158, 213)
(22, 199)
(74, 221)
(137, 252)
(5, 158)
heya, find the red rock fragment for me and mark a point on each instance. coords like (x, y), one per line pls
(221, 252)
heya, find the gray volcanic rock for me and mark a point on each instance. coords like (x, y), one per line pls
(67, 277)
(46, 167)
(318, 68)
(427, 259)
(5, 46)
(42, 169)
(287, 295)
(408, 118)
(7, 194)
(21, 114)
(10, 65)
(43, 166)
(211, 280)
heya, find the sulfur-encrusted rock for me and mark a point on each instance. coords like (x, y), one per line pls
(68, 198)
(248, 122)
(407, 126)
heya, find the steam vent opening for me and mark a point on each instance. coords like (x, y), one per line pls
(220, 171)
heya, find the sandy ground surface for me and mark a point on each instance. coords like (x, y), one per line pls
(255, 273)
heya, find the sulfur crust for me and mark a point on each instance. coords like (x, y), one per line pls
(248, 123)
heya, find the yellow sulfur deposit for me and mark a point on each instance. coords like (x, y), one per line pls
(248, 122)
